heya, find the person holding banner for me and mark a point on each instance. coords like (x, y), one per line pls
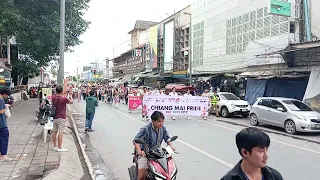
(142, 94)
(174, 94)
(206, 94)
(187, 94)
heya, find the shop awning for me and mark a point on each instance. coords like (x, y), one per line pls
(116, 79)
(126, 77)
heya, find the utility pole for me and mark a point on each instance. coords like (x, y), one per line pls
(62, 42)
(190, 50)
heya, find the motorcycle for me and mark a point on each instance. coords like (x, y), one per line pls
(161, 165)
(44, 113)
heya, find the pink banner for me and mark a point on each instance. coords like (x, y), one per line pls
(134, 102)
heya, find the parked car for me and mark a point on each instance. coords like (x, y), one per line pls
(291, 114)
(229, 105)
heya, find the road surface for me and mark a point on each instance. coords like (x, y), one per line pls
(206, 149)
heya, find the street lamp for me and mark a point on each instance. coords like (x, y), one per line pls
(190, 47)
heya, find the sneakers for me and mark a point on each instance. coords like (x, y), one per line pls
(62, 150)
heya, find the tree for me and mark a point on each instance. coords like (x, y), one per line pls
(36, 27)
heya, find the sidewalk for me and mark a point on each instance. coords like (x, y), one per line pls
(31, 157)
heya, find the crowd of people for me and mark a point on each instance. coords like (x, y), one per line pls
(252, 143)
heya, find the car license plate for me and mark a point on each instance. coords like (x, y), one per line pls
(317, 126)
(244, 110)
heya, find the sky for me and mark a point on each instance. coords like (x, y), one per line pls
(110, 23)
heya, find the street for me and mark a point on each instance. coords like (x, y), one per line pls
(207, 149)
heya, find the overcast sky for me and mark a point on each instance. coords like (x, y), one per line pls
(111, 22)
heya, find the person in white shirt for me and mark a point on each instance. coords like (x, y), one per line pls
(142, 94)
(187, 94)
(175, 94)
(206, 94)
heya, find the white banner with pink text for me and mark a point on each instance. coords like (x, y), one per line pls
(175, 106)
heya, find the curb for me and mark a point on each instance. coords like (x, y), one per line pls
(86, 158)
(270, 131)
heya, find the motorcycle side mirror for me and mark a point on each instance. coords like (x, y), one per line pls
(173, 138)
(139, 141)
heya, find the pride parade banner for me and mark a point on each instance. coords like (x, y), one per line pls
(175, 106)
(134, 102)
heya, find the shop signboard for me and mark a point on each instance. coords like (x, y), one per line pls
(279, 7)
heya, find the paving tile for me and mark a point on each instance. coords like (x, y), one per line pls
(26, 147)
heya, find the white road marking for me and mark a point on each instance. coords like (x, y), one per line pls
(283, 143)
(182, 142)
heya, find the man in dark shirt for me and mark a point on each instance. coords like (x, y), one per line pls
(59, 121)
(91, 104)
(253, 146)
(4, 131)
(153, 134)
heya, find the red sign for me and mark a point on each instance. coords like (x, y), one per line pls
(134, 102)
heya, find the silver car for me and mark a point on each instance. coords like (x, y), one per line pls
(290, 114)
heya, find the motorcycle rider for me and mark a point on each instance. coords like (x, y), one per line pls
(153, 134)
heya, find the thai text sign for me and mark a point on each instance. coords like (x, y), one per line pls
(175, 106)
(278, 7)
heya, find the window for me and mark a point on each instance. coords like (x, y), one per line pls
(198, 41)
(259, 24)
(295, 105)
(276, 104)
(264, 102)
(229, 97)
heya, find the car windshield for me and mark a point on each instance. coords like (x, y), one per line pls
(229, 97)
(294, 105)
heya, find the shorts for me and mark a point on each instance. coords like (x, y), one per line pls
(142, 162)
(59, 125)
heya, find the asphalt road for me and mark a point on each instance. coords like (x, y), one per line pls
(206, 149)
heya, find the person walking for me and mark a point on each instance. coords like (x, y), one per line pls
(4, 131)
(116, 98)
(174, 94)
(59, 101)
(91, 104)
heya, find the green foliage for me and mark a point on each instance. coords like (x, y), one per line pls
(36, 27)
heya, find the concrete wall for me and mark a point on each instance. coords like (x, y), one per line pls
(144, 37)
(17, 97)
(228, 34)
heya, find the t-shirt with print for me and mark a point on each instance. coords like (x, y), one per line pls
(3, 120)
(60, 102)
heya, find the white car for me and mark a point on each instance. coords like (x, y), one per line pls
(290, 114)
(229, 104)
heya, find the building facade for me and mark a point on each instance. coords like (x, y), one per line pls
(228, 35)
(173, 43)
